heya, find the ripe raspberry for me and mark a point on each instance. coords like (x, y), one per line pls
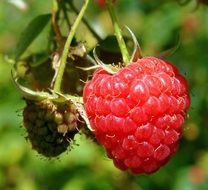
(50, 126)
(138, 112)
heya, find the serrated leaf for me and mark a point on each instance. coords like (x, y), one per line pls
(33, 29)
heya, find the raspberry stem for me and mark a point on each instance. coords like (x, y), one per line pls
(118, 33)
(66, 51)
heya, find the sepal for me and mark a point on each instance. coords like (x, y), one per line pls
(30, 94)
(137, 49)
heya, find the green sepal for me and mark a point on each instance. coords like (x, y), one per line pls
(30, 94)
(78, 102)
(109, 68)
(137, 49)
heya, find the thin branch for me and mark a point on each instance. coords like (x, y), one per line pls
(85, 22)
(58, 81)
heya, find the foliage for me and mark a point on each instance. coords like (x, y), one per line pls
(158, 27)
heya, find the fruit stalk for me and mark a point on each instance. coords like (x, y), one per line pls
(121, 42)
(57, 85)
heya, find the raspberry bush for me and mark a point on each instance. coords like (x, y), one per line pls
(134, 107)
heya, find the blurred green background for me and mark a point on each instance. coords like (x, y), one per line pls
(158, 25)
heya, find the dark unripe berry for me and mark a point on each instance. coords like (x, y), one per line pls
(47, 129)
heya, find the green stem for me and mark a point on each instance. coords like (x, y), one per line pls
(118, 33)
(94, 33)
(58, 81)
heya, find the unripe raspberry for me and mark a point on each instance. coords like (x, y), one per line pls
(137, 113)
(50, 126)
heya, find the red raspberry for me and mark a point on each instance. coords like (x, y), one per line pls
(138, 112)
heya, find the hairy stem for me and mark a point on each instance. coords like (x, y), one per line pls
(118, 33)
(58, 81)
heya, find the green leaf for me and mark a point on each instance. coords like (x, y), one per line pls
(33, 29)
